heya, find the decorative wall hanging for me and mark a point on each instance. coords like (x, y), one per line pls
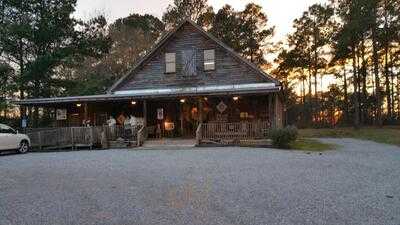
(221, 107)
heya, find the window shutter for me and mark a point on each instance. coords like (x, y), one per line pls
(209, 60)
(189, 62)
(170, 62)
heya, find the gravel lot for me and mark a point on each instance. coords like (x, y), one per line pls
(357, 184)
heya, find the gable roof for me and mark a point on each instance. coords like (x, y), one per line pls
(170, 34)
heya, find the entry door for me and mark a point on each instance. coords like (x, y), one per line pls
(189, 118)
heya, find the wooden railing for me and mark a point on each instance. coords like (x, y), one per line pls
(73, 137)
(141, 136)
(234, 131)
(128, 133)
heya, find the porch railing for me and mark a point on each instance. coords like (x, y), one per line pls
(232, 131)
(141, 136)
(73, 137)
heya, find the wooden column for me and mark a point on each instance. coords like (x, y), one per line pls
(271, 109)
(36, 117)
(278, 111)
(181, 117)
(145, 113)
(85, 112)
(200, 110)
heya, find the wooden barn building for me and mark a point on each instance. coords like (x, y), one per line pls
(188, 78)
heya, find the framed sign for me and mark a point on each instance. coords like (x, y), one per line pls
(160, 114)
(221, 107)
(24, 122)
(169, 126)
(61, 114)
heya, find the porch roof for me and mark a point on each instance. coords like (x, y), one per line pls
(215, 90)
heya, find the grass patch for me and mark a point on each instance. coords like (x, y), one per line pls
(386, 135)
(311, 145)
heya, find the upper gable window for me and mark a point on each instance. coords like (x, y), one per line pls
(209, 60)
(170, 62)
(189, 62)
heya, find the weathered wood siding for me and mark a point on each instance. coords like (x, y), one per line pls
(229, 70)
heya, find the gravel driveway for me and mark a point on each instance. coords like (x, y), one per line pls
(357, 184)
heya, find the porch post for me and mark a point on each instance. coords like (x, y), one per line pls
(181, 117)
(271, 109)
(85, 112)
(144, 113)
(200, 110)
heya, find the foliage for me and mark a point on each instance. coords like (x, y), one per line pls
(131, 37)
(245, 31)
(39, 36)
(180, 10)
(283, 137)
(357, 43)
(7, 81)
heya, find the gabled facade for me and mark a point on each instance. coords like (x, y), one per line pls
(188, 78)
(190, 57)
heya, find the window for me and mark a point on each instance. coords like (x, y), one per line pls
(6, 129)
(170, 62)
(189, 62)
(209, 60)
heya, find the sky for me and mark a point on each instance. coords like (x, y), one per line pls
(281, 13)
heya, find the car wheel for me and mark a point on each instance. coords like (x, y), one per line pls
(23, 147)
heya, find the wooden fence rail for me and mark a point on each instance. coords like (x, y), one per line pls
(73, 137)
(233, 131)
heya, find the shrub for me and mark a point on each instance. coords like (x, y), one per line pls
(283, 137)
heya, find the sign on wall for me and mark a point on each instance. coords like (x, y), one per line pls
(24, 122)
(169, 126)
(221, 107)
(160, 114)
(61, 114)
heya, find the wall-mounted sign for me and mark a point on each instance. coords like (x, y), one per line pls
(61, 114)
(24, 122)
(160, 114)
(169, 126)
(221, 107)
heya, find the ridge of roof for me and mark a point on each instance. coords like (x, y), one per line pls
(168, 35)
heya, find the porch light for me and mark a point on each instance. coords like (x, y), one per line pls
(182, 100)
(78, 105)
(133, 102)
(235, 98)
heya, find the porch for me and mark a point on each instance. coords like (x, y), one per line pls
(95, 137)
(212, 119)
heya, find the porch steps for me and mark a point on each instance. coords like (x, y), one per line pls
(121, 144)
(169, 144)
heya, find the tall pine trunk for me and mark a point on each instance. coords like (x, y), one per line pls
(356, 93)
(398, 95)
(387, 84)
(310, 108)
(376, 68)
(364, 110)
(346, 98)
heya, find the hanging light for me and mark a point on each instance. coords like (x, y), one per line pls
(133, 102)
(205, 99)
(235, 98)
(78, 105)
(182, 100)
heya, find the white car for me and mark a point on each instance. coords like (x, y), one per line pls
(10, 139)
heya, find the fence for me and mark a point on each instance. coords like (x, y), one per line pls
(232, 131)
(73, 137)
